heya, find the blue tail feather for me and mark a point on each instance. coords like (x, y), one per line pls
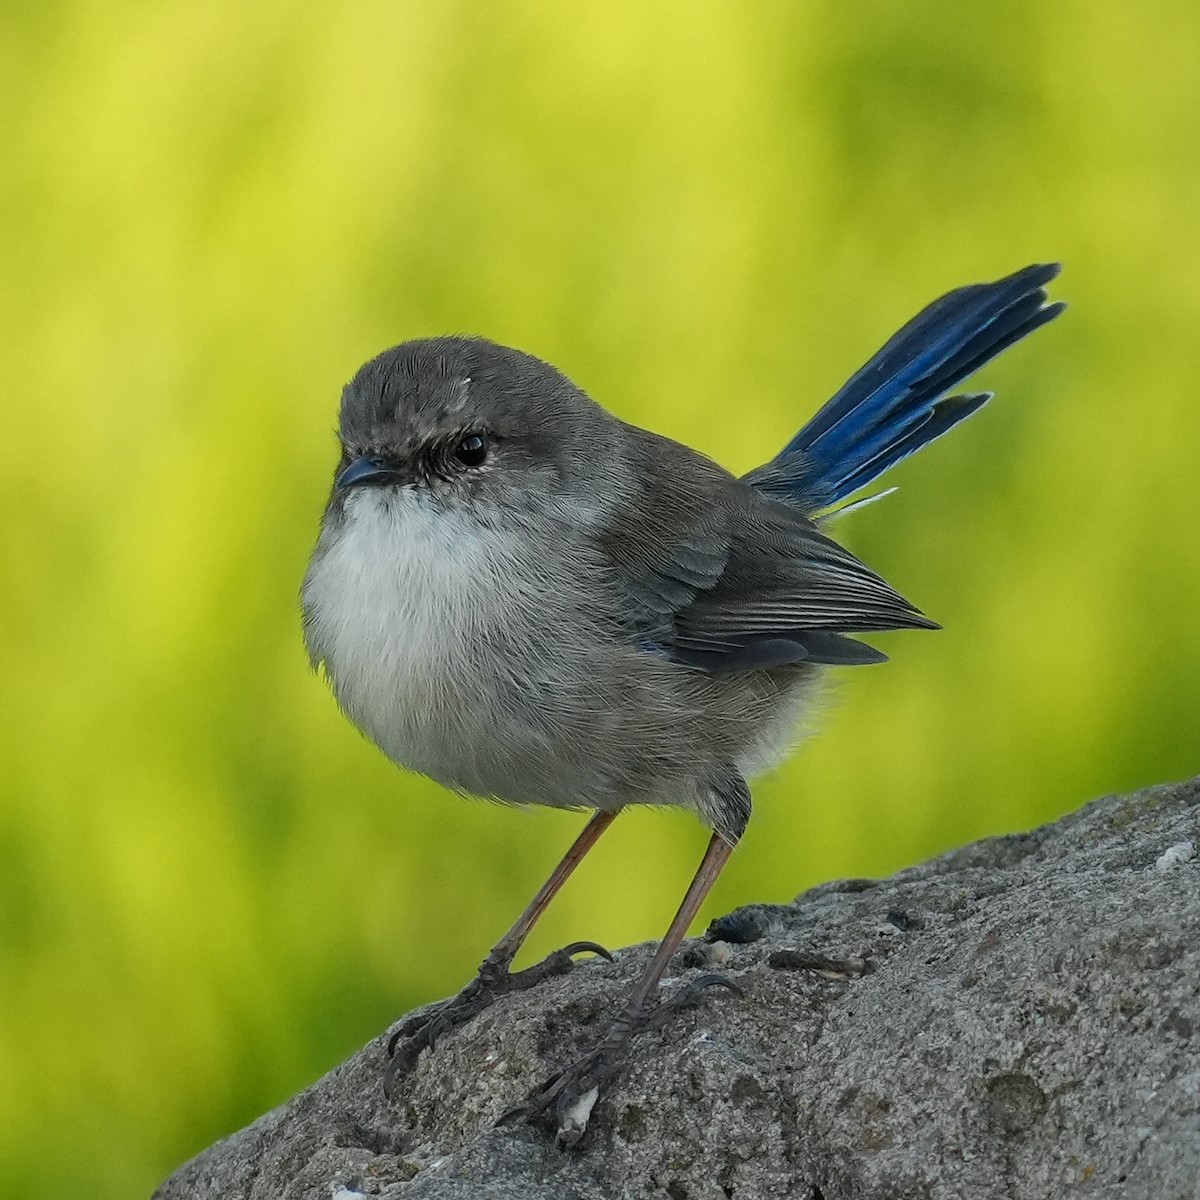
(896, 403)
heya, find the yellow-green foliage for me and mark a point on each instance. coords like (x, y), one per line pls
(211, 889)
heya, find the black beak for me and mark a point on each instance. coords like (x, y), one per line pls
(368, 469)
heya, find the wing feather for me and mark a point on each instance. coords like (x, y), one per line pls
(720, 577)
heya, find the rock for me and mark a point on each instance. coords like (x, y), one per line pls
(1020, 1017)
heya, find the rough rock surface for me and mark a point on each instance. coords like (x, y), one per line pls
(1017, 1018)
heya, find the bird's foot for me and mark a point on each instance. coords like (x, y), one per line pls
(567, 1098)
(494, 979)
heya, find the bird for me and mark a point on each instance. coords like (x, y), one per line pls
(527, 599)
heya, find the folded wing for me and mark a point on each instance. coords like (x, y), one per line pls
(719, 577)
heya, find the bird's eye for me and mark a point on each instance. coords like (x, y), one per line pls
(472, 450)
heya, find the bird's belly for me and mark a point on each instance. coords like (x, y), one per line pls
(434, 645)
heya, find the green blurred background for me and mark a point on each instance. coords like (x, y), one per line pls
(211, 889)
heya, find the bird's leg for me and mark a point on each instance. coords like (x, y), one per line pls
(573, 1091)
(494, 978)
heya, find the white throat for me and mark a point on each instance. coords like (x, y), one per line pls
(396, 605)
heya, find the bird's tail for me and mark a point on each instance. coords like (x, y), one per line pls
(897, 402)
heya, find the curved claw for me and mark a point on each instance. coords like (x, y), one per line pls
(557, 963)
(400, 1065)
(688, 997)
(542, 1097)
(551, 1090)
(587, 948)
(438, 1024)
(691, 993)
(406, 1029)
(511, 1115)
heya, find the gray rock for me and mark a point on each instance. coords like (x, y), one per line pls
(1017, 1018)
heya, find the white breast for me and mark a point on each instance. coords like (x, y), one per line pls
(397, 604)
